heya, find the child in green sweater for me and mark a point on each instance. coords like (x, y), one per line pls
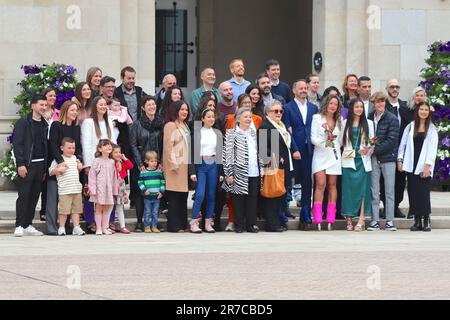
(152, 184)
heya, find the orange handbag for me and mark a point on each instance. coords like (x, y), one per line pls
(273, 180)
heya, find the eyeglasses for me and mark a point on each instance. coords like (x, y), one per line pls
(278, 111)
(394, 87)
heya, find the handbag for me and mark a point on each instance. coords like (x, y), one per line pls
(349, 154)
(273, 181)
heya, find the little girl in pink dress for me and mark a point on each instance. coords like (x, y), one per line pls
(102, 186)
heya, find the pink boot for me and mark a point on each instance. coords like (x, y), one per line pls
(194, 226)
(331, 213)
(317, 213)
(209, 226)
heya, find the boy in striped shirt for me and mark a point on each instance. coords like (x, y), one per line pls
(152, 184)
(69, 187)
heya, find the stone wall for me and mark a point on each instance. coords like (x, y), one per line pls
(380, 38)
(84, 33)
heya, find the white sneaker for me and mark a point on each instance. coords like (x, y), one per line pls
(77, 231)
(61, 231)
(31, 231)
(18, 232)
(230, 227)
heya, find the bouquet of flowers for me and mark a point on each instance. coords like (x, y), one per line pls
(331, 138)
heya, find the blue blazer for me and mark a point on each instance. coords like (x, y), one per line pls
(301, 130)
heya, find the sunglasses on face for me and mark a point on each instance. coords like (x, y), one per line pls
(278, 111)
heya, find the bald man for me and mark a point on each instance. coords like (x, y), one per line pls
(404, 115)
(227, 106)
(208, 77)
(168, 82)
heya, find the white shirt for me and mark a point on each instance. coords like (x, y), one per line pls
(253, 167)
(69, 183)
(89, 139)
(397, 106)
(208, 142)
(303, 109)
(366, 108)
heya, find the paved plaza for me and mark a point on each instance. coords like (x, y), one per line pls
(291, 265)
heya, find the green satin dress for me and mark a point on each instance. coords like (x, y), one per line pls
(356, 185)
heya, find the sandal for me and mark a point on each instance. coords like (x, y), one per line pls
(360, 227)
(349, 224)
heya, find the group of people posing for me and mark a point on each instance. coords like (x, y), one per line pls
(243, 145)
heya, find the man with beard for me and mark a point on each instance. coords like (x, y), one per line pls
(263, 82)
(130, 96)
(404, 115)
(227, 106)
(208, 77)
(238, 82)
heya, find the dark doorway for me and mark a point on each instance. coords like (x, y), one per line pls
(257, 30)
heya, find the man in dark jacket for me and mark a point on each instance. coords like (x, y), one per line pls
(130, 96)
(404, 115)
(30, 154)
(383, 160)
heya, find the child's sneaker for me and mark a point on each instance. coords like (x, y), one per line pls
(125, 231)
(77, 231)
(148, 230)
(155, 230)
(61, 232)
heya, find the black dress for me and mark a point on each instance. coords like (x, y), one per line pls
(419, 188)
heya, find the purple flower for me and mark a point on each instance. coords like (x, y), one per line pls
(62, 97)
(446, 142)
(31, 69)
(10, 138)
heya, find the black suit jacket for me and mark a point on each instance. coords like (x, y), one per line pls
(118, 93)
(406, 115)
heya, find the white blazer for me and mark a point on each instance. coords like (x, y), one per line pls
(89, 140)
(367, 159)
(324, 157)
(427, 155)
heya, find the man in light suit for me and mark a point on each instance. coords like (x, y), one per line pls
(297, 117)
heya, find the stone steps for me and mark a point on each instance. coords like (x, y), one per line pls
(438, 222)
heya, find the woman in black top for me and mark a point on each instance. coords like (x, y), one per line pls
(66, 127)
(146, 134)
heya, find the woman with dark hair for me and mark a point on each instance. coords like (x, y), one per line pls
(333, 91)
(93, 77)
(83, 96)
(95, 128)
(417, 156)
(175, 162)
(204, 169)
(326, 164)
(146, 134)
(173, 94)
(356, 165)
(255, 94)
(66, 127)
(207, 103)
(350, 88)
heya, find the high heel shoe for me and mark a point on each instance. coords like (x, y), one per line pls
(330, 226)
(349, 224)
(360, 227)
